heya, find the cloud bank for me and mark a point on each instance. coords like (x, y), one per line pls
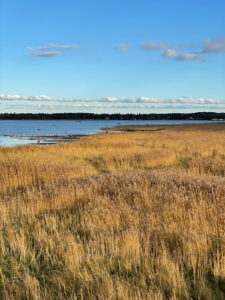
(110, 108)
(113, 100)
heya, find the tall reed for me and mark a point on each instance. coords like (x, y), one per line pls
(137, 215)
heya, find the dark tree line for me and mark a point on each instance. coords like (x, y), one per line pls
(92, 116)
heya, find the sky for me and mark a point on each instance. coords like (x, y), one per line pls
(127, 56)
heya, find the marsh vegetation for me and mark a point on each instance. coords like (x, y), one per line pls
(135, 215)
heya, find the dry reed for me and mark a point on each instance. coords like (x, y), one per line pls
(136, 215)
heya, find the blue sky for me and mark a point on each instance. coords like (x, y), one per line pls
(112, 56)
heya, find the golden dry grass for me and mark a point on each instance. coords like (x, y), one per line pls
(136, 215)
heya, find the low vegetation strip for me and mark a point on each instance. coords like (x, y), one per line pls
(149, 127)
(135, 215)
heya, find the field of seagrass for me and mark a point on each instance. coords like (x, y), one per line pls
(127, 215)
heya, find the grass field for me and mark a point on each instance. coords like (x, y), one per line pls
(134, 215)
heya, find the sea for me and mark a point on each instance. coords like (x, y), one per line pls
(23, 132)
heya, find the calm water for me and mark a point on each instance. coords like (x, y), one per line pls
(14, 133)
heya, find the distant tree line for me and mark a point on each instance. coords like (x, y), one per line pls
(92, 116)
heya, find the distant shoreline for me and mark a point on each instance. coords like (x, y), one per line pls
(199, 116)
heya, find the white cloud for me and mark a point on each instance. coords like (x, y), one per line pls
(170, 53)
(181, 100)
(214, 46)
(27, 98)
(122, 47)
(114, 100)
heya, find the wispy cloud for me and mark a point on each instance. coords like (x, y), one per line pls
(54, 46)
(168, 50)
(122, 47)
(116, 100)
(47, 51)
(214, 46)
(151, 46)
(46, 54)
(182, 56)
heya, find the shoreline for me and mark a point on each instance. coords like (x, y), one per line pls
(42, 140)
